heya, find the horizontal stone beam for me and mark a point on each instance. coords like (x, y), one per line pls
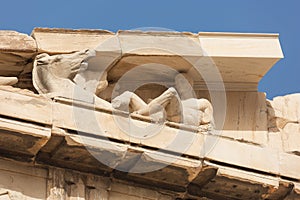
(26, 135)
(240, 59)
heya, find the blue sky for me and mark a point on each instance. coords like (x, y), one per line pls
(262, 16)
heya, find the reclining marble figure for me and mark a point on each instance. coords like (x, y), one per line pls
(189, 111)
(61, 75)
(130, 102)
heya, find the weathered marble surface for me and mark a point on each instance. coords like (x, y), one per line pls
(284, 120)
(63, 75)
(68, 150)
(17, 51)
(283, 110)
(255, 156)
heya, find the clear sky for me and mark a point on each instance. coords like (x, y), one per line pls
(258, 16)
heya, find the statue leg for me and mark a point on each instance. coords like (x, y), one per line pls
(129, 102)
(136, 103)
(156, 104)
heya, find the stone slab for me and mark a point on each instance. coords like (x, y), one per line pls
(289, 165)
(235, 56)
(25, 105)
(19, 137)
(246, 117)
(12, 41)
(95, 155)
(236, 183)
(290, 136)
(283, 110)
(18, 181)
(118, 126)
(57, 41)
(159, 43)
(243, 155)
(16, 51)
(218, 44)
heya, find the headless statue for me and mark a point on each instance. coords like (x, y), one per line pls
(194, 111)
(191, 111)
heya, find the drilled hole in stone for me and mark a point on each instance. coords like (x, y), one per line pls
(234, 186)
(70, 183)
(256, 191)
(238, 195)
(90, 187)
(67, 158)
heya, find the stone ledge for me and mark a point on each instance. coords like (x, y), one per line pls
(60, 116)
(227, 51)
(65, 148)
(12, 41)
(24, 105)
(56, 41)
(21, 137)
(233, 54)
(17, 50)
